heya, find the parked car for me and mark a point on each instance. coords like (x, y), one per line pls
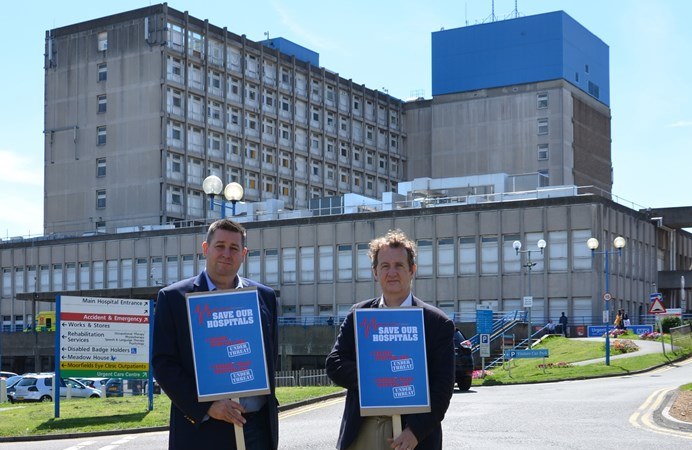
(4, 375)
(95, 383)
(116, 387)
(463, 361)
(39, 388)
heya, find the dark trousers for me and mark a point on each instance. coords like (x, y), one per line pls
(256, 430)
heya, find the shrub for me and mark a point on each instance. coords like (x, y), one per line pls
(624, 346)
(479, 374)
(669, 322)
(651, 336)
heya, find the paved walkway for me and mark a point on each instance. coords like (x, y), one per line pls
(645, 348)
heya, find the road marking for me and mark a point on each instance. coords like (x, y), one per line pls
(80, 446)
(307, 408)
(643, 417)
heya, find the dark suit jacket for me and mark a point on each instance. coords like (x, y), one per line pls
(439, 346)
(174, 369)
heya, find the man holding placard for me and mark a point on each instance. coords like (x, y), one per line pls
(207, 424)
(393, 265)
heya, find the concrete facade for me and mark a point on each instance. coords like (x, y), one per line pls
(549, 128)
(319, 265)
(142, 106)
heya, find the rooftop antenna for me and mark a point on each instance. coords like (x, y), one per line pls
(266, 35)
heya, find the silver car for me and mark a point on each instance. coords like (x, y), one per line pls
(39, 388)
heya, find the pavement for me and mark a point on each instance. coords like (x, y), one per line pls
(661, 414)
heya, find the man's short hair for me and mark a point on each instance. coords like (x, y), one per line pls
(394, 239)
(228, 225)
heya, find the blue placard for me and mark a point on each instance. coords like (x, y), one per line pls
(227, 344)
(537, 353)
(391, 360)
(599, 330)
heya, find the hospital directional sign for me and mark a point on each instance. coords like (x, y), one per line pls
(103, 337)
(536, 353)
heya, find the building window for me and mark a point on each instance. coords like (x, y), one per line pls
(103, 41)
(271, 266)
(542, 126)
(445, 257)
(511, 261)
(489, 255)
(254, 269)
(425, 258)
(363, 262)
(101, 199)
(307, 264)
(542, 100)
(543, 154)
(101, 135)
(102, 72)
(288, 259)
(102, 104)
(581, 255)
(467, 255)
(326, 262)
(557, 250)
(345, 262)
(101, 167)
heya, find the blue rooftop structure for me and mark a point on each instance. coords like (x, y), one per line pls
(291, 48)
(523, 50)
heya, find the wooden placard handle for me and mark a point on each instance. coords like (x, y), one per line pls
(239, 435)
(396, 425)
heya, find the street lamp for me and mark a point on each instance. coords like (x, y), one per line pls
(233, 192)
(619, 243)
(529, 266)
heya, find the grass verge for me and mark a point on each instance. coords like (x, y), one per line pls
(560, 364)
(113, 413)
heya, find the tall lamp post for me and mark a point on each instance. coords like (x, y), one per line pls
(233, 192)
(619, 243)
(529, 264)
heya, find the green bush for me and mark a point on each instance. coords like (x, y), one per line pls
(670, 322)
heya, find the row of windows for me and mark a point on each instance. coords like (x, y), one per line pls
(232, 118)
(317, 144)
(268, 72)
(442, 257)
(136, 272)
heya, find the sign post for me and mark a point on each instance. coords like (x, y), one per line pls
(102, 337)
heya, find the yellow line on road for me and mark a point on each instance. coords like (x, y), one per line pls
(643, 417)
(307, 408)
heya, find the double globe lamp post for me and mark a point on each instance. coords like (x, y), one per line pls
(233, 192)
(529, 266)
(619, 243)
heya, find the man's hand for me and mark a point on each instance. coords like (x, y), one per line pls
(405, 441)
(228, 411)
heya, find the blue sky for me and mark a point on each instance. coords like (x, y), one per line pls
(386, 45)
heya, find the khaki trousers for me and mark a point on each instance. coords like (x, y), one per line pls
(373, 434)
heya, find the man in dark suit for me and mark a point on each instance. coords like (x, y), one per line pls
(393, 265)
(205, 425)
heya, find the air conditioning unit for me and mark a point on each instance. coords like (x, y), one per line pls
(103, 46)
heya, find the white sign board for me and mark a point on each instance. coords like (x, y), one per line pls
(103, 337)
(528, 302)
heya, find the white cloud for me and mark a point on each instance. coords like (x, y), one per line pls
(680, 124)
